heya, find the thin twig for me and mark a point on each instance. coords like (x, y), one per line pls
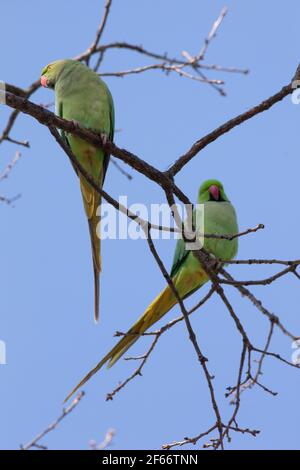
(121, 170)
(212, 33)
(162, 66)
(106, 441)
(137, 372)
(87, 55)
(9, 167)
(52, 426)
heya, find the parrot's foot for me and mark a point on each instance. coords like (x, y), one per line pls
(104, 138)
(76, 123)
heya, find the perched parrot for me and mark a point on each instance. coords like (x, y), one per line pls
(81, 96)
(187, 273)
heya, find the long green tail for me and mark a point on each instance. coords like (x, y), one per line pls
(92, 201)
(156, 310)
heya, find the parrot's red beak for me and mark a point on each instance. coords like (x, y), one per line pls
(44, 81)
(215, 192)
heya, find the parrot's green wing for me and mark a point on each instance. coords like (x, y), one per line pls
(180, 255)
(59, 111)
(112, 128)
(180, 258)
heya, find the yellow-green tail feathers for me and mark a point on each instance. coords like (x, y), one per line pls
(156, 310)
(96, 253)
(92, 201)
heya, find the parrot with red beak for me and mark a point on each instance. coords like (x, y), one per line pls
(186, 273)
(81, 96)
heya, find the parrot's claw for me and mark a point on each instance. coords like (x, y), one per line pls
(104, 138)
(76, 123)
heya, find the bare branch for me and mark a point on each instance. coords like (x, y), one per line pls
(4, 175)
(164, 67)
(229, 125)
(89, 52)
(258, 304)
(212, 33)
(51, 427)
(106, 441)
(260, 282)
(121, 170)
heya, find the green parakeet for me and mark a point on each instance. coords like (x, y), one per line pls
(187, 273)
(81, 96)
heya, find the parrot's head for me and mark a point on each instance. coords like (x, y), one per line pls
(51, 72)
(212, 190)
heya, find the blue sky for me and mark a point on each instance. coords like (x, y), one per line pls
(46, 273)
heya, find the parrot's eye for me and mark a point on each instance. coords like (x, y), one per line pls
(46, 69)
